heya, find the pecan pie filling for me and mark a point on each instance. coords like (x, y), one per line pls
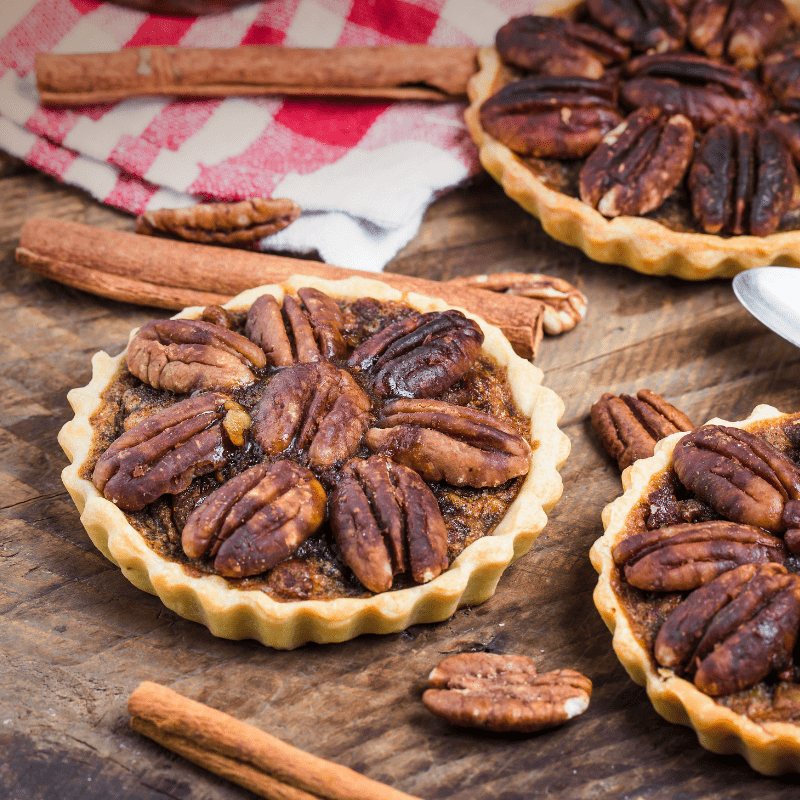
(707, 568)
(313, 449)
(684, 113)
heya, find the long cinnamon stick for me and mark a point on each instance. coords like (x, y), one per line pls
(174, 274)
(413, 71)
(244, 754)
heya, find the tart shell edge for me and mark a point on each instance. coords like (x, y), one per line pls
(238, 614)
(771, 748)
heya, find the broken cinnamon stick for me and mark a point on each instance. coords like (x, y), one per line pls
(172, 274)
(244, 754)
(410, 71)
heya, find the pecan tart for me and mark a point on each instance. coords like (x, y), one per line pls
(700, 583)
(661, 135)
(315, 460)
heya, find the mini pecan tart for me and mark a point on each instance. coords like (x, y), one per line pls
(660, 135)
(700, 583)
(276, 469)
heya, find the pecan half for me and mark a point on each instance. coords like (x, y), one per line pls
(217, 315)
(564, 305)
(419, 356)
(256, 520)
(442, 441)
(701, 89)
(742, 180)
(629, 427)
(681, 557)
(781, 72)
(504, 693)
(312, 408)
(165, 452)
(742, 30)
(384, 519)
(735, 630)
(653, 25)
(787, 128)
(555, 46)
(743, 477)
(551, 117)
(639, 164)
(184, 355)
(315, 328)
(242, 224)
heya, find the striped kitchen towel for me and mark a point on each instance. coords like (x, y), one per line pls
(363, 172)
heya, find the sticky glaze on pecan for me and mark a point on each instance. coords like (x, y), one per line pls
(652, 25)
(184, 355)
(257, 519)
(781, 72)
(385, 519)
(315, 409)
(442, 441)
(164, 453)
(419, 356)
(735, 630)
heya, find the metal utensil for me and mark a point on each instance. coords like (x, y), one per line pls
(772, 296)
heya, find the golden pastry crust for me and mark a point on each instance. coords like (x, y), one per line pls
(771, 748)
(641, 244)
(238, 614)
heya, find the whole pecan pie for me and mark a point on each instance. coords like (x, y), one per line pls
(315, 460)
(662, 134)
(700, 583)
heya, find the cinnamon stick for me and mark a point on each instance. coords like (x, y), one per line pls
(244, 754)
(411, 71)
(174, 274)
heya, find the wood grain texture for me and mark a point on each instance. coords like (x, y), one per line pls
(76, 638)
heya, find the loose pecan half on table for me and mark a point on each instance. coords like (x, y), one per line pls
(629, 427)
(183, 356)
(242, 224)
(310, 331)
(735, 630)
(442, 441)
(504, 693)
(385, 519)
(257, 519)
(164, 453)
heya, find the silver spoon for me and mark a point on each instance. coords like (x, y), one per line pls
(772, 296)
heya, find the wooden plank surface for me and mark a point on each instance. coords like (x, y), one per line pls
(76, 638)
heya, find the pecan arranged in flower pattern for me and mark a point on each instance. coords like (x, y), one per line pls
(701, 89)
(629, 427)
(652, 25)
(735, 630)
(551, 117)
(639, 164)
(781, 72)
(257, 519)
(742, 476)
(419, 356)
(242, 224)
(742, 30)
(681, 557)
(186, 355)
(504, 693)
(564, 305)
(385, 519)
(742, 180)
(164, 453)
(442, 441)
(315, 326)
(555, 46)
(314, 409)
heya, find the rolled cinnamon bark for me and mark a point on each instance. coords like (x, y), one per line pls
(173, 274)
(411, 71)
(245, 754)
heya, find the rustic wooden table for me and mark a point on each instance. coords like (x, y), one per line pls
(77, 638)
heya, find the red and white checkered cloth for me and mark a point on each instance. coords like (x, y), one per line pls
(363, 172)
